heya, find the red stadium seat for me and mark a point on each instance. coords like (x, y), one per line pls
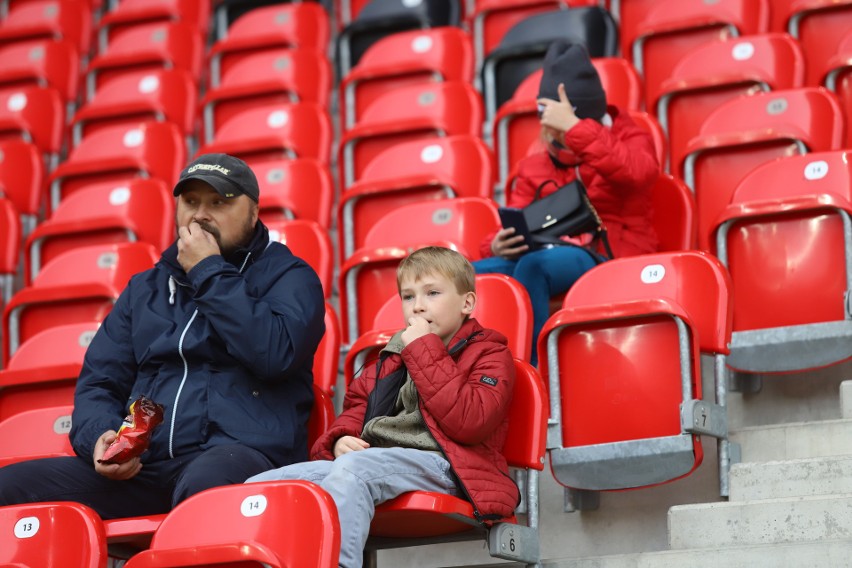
(748, 131)
(837, 77)
(326, 367)
(35, 434)
(35, 115)
(294, 189)
(422, 517)
(78, 286)
(66, 20)
(408, 113)
(718, 71)
(674, 214)
(128, 13)
(140, 210)
(294, 25)
(43, 372)
(120, 153)
(44, 63)
(248, 525)
(22, 180)
(784, 238)
(310, 242)
(10, 247)
(622, 361)
(49, 534)
(401, 59)
(411, 172)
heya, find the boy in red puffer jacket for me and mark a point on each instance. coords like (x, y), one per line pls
(430, 414)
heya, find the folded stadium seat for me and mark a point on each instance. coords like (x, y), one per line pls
(411, 172)
(368, 277)
(22, 181)
(294, 189)
(80, 285)
(276, 131)
(516, 122)
(49, 534)
(325, 369)
(522, 49)
(622, 359)
(409, 113)
(717, 71)
(502, 303)
(147, 150)
(674, 214)
(35, 115)
(655, 33)
(127, 536)
(10, 247)
(140, 210)
(401, 59)
(68, 20)
(491, 19)
(422, 517)
(248, 528)
(748, 131)
(347, 11)
(299, 25)
(138, 49)
(43, 372)
(227, 12)
(158, 94)
(309, 241)
(818, 25)
(129, 13)
(380, 18)
(785, 240)
(837, 77)
(35, 434)
(45, 63)
(281, 75)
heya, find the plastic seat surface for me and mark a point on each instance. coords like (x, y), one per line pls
(613, 360)
(79, 285)
(10, 247)
(408, 113)
(35, 434)
(139, 210)
(718, 71)
(67, 20)
(129, 13)
(294, 189)
(49, 534)
(248, 525)
(35, 115)
(413, 172)
(22, 173)
(405, 58)
(674, 214)
(836, 75)
(310, 242)
(782, 238)
(45, 63)
(748, 131)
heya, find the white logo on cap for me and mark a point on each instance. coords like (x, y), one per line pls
(209, 167)
(411, 3)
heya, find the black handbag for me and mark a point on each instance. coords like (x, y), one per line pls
(565, 212)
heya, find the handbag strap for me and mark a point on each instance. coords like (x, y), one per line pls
(601, 233)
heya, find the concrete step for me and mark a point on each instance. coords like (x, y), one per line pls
(796, 440)
(794, 555)
(767, 521)
(752, 481)
(846, 399)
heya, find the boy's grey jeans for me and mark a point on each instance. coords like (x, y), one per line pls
(358, 481)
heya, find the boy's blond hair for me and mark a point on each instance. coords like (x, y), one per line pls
(438, 260)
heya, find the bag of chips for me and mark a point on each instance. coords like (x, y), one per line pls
(135, 432)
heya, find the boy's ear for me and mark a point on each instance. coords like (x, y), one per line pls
(469, 303)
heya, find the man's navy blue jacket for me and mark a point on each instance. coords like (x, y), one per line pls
(227, 350)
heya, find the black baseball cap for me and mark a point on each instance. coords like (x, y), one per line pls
(228, 175)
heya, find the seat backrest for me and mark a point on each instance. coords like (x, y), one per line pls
(50, 63)
(139, 210)
(491, 19)
(10, 242)
(720, 70)
(748, 131)
(782, 239)
(248, 525)
(22, 175)
(70, 20)
(526, 437)
(34, 434)
(673, 213)
(294, 189)
(310, 242)
(404, 58)
(49, 534)
(327, 357)
(33, 114)
(130, 13)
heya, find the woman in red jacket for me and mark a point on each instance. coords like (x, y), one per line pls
(616, 162)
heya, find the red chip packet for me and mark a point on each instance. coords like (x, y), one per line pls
(135, 432)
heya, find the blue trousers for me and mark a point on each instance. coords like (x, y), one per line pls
(358, 481)
(157, 488)
(544, 273)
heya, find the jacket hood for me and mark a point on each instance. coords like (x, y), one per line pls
(258, 243)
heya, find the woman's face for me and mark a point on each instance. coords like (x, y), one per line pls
(553, 142)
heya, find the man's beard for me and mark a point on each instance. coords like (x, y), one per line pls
(242, 241)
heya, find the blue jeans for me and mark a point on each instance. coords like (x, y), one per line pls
(358, 481)
(544, 273)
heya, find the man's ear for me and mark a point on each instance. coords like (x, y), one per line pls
(469, 303)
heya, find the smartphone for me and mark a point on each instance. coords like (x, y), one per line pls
(514, 217)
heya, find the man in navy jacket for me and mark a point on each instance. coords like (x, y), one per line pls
(222, 333)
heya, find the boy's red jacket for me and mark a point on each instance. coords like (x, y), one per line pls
(464, 400)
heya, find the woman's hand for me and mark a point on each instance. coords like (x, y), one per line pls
(507, 244)
(558, 115)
